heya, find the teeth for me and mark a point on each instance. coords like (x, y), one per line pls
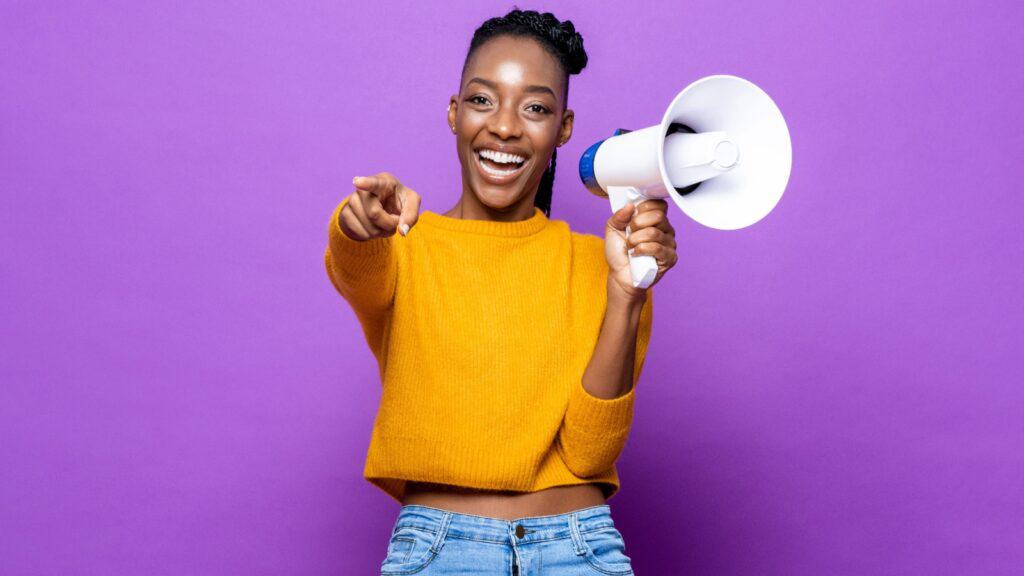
(501, 157)
(494, 172)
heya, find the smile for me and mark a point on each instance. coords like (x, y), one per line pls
(499, 168)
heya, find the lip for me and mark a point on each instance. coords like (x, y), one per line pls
(497, 180)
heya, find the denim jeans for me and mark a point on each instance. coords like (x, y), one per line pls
(430, 541)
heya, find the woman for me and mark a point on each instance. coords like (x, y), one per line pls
(508, 345)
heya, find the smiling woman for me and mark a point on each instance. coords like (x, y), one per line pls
(509, 345)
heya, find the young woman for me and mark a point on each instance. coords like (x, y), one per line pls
(508, 345)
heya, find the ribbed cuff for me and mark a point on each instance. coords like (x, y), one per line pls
(601, 415)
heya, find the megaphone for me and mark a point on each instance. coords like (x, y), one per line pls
(721, 152)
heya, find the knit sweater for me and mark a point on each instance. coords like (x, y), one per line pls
(482, 331)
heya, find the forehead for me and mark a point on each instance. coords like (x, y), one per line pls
(514, 62)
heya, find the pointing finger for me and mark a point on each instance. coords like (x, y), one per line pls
(365, 182)
(375, 185)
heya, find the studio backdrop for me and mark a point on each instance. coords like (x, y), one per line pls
(834, 390)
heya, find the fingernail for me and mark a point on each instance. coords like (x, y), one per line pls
(405, 229)
(354, 179)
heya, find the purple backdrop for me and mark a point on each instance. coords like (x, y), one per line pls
(835, 390)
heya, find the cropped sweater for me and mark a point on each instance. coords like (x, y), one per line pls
(482, 331)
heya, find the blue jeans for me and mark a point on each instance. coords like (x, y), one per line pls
(430, 541)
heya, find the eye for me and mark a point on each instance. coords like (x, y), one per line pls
(542, 110)
(473, 98)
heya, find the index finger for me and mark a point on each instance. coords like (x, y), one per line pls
(368, 183)
(379, 185)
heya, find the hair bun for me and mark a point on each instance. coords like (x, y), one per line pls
(573, 47)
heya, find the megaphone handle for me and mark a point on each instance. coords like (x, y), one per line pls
(642, 268)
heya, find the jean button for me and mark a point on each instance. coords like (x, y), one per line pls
(520, 531)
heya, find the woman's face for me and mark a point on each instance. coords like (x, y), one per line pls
(511, 101)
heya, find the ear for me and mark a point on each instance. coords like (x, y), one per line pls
(453, 108)
(565, 132)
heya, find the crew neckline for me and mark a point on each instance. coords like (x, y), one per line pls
(518, 228)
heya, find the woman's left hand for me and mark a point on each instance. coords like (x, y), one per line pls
(650, 235)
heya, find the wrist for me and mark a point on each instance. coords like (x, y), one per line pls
(629, 298)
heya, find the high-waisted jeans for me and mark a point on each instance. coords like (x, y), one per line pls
(430, 541)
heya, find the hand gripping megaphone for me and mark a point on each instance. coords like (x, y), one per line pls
(721, 152)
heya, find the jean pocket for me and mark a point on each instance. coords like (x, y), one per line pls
(409, 551)
(606, 551)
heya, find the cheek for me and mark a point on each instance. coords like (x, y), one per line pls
(543, 135)
(471, 120)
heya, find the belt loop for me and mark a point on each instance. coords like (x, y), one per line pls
(442, 532)
(577, 539)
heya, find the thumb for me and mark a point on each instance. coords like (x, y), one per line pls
(410, 202)
(620, 219)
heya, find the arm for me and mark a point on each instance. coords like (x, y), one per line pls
(600, 411)
(365, 274)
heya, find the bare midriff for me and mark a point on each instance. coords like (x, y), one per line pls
(502, 504)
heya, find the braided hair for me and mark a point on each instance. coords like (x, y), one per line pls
(561, 40)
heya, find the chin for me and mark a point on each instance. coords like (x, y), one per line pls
(497, 197)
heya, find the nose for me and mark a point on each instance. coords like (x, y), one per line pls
(505, 123)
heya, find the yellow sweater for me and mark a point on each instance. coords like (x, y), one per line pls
(482, 331)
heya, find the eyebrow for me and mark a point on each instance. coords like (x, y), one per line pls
(531, 88)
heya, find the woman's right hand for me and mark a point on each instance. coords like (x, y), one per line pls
(378, 208)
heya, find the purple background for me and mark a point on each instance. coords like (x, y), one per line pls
(835, 390)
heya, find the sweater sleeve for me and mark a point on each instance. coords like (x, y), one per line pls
(365, 274)
(594, 430)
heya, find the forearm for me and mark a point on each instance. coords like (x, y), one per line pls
(610, 371)
(365, 274)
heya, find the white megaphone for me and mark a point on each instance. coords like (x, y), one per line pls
(722, 152)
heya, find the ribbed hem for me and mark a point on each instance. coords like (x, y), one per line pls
(515, 229)
(475, 469)
(394, 458)
(344, 247)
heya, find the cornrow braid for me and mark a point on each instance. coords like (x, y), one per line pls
(561, 40)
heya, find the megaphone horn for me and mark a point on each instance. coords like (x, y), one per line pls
(722, 152)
